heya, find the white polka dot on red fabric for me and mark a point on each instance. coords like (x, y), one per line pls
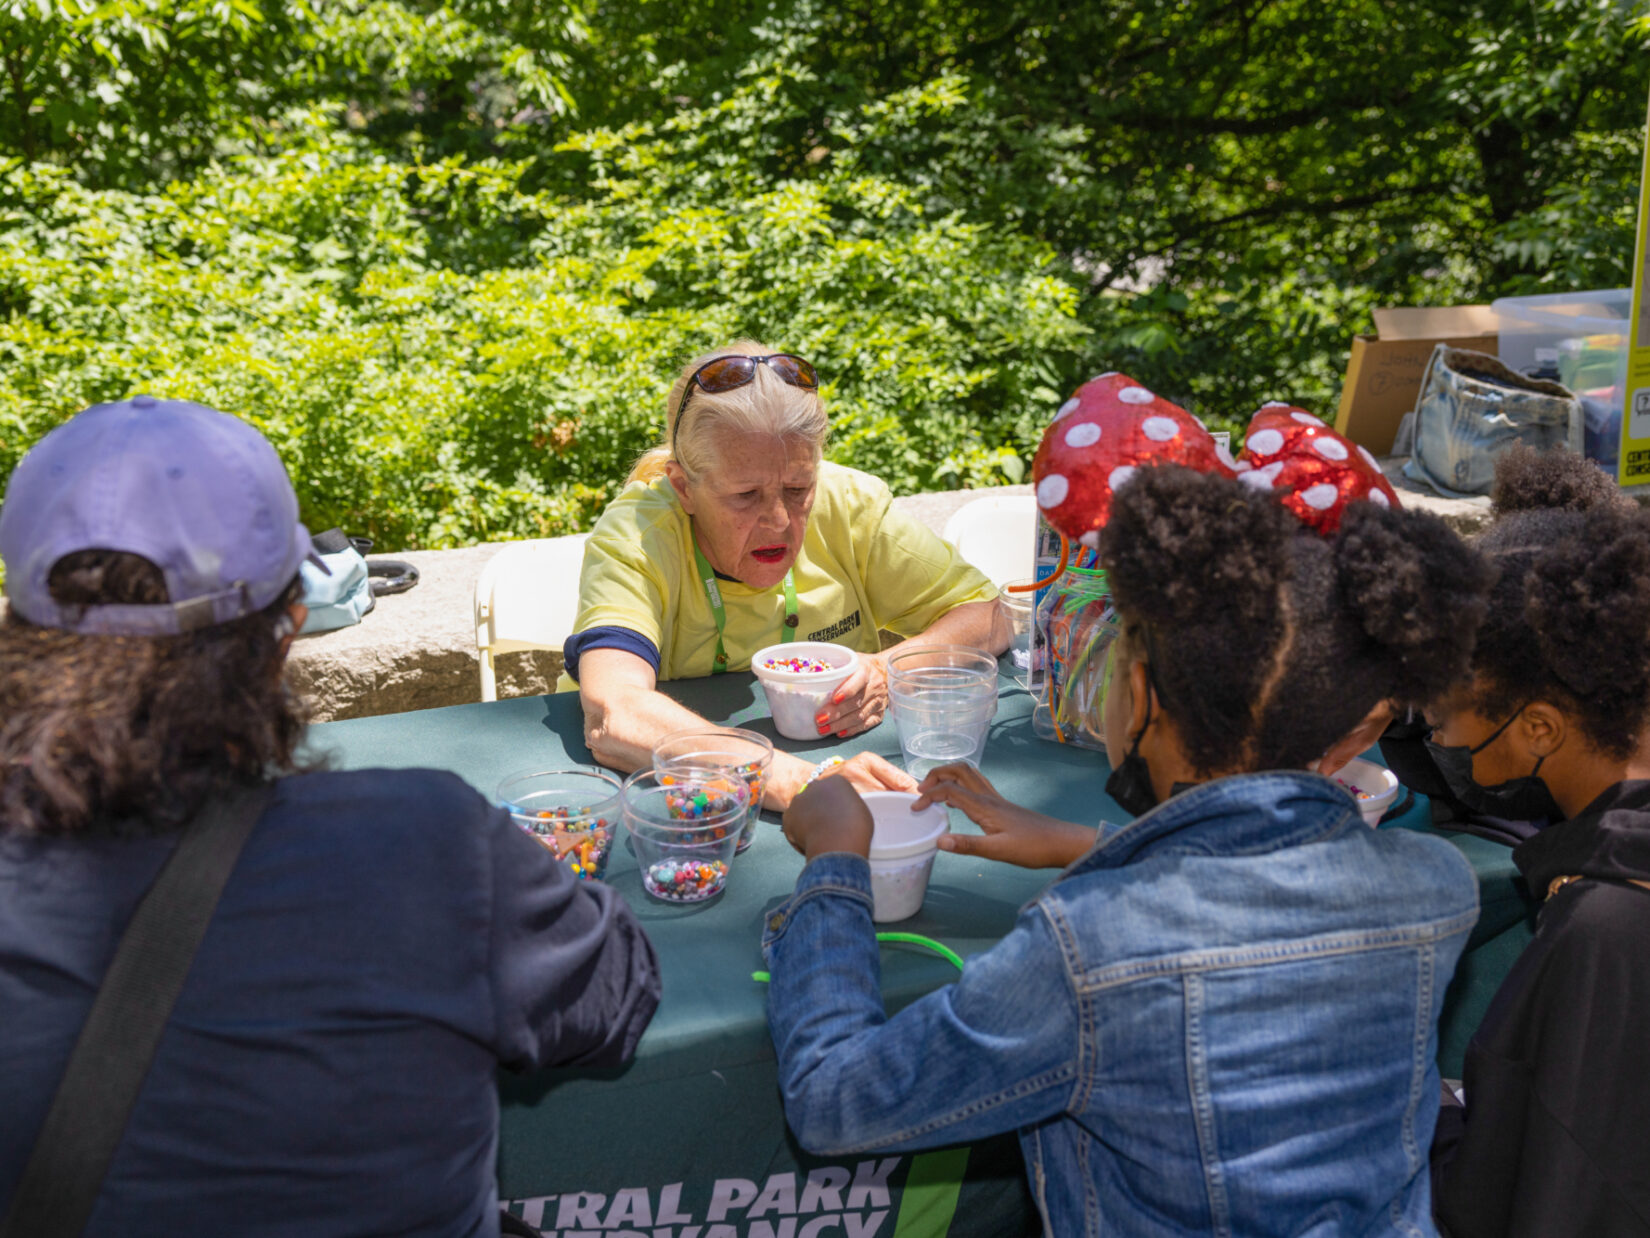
(1084, 434)
(1052, 491)
(1306, 419)
(1265, 442)
(1273, 404)
(1159, 429)
(1330, 448)
(1107, 374)
(1066, 409)
(1320, 497)
(1256, 478)
(1378, 497)
(1135, 395)
(1119, 475)
(1091, 539)
(1369, 458)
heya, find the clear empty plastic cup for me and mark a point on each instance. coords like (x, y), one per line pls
(799, 677)
(903, 846)
(684, 826)
(744, 754)
(943, 699)
(1023, 650)
(573, 812)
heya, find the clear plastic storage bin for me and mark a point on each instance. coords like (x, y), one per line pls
(1578, 339)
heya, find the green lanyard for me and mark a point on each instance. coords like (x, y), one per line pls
(787, 629)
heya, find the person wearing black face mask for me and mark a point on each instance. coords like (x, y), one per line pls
(1522, 797)
(1553, 725)
(1246, 948)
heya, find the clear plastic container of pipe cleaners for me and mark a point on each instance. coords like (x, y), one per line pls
(1078, 626)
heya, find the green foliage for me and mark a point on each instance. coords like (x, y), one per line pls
(448, 253)
(442, 355)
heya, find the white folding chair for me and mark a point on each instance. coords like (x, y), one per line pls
(526, 598)
(995, 534)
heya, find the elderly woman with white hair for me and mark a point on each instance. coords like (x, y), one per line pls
(733, 533)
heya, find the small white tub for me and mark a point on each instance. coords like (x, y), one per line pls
(1375, 787)
(796, 697)
(903, 846)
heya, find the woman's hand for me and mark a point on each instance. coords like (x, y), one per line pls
(1012, 834)
(860, 700)
(828, 815)
(864, 770)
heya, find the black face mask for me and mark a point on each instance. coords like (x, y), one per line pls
(1518, 799)
(1130, 784)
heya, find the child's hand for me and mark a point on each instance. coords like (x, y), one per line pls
(828, 815)
(1013, 834)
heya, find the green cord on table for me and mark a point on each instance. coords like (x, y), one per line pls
(903, 939)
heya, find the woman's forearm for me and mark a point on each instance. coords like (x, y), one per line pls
(979, 625)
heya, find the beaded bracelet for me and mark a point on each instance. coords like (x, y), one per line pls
(824, 767)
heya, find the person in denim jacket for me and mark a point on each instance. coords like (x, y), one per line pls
(1222, 1017)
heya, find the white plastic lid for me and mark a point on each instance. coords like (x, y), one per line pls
(899, 832)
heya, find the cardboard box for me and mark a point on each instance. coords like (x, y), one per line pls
(1384, 374)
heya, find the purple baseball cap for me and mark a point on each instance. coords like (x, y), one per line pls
(200, 494)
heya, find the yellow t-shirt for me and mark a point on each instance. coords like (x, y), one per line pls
(863, 566)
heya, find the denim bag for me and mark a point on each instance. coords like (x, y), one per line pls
(1472, 408)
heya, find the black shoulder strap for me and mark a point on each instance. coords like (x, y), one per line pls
(112, 1057)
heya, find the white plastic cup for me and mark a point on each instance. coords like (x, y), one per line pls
(903, 846)
(1374, 787)
(796, 697)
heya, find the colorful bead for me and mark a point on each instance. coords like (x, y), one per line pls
(574, 836)
(711, 799)
(798, 666)
(685, 881)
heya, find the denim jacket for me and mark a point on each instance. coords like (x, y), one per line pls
(1221, 1020)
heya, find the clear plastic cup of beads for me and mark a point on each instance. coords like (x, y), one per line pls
(744, 753)
(684, 825)
(573, 812)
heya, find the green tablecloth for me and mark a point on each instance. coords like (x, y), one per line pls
(691, 1134)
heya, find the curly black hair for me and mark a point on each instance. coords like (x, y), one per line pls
(133, 734)
(1267, 642)
(1569, 617)
(1528, 480)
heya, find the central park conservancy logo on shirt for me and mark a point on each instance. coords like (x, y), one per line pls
(836, 629)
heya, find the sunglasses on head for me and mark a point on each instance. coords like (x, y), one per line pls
(727, 373)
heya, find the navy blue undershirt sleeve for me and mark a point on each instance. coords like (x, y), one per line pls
(581, 643)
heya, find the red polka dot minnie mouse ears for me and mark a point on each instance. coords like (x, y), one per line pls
(1099, 437)
(1313, 470)
(1113, 426)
